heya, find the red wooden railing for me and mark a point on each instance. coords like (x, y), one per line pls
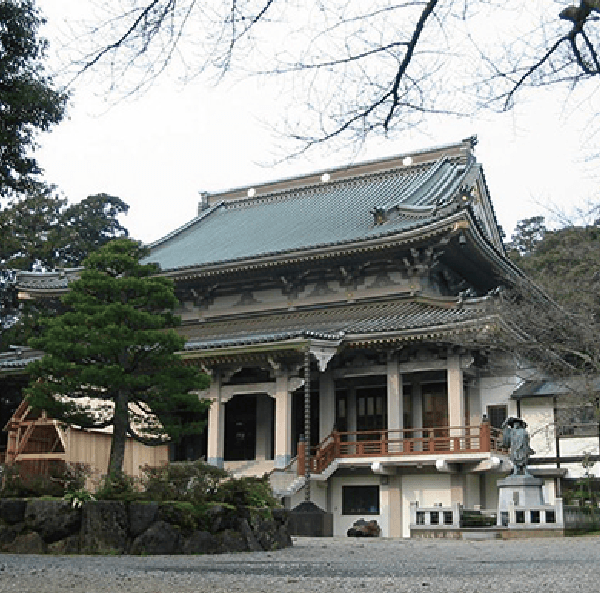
(398, 442)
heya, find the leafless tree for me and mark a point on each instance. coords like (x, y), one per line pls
(351, 68)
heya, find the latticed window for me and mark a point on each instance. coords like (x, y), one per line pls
(579, 421)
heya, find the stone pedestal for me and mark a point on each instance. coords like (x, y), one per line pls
(308, 519)
(518, 491)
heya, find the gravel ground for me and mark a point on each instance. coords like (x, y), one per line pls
(322, 565)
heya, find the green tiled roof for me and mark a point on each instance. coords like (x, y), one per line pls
(319, 215)
(333, 322)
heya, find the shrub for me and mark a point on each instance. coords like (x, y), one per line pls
(118, 486)
(248, 491)
(19, 481)
(195, 482)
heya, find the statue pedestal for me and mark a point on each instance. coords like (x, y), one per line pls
(518, 491)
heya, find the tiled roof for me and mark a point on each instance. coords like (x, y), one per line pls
(18, 358)
(325, 214)
(349, 321)
(46, 280)
(550, 388)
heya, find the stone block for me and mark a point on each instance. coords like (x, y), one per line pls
(141, 516)
(104, 527)
(201, 542)
(28, 543)
(52, 519)
(12, 510)
(160, 538)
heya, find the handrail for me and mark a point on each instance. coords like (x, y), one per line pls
(404, 441)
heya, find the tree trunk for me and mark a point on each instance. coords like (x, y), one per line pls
(119, 435)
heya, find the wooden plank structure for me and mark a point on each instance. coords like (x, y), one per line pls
(37, 443)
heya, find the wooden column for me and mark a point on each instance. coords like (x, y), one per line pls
(326, 404)
(283, 420)
(456, 397)
(395, 403)
(216, 424)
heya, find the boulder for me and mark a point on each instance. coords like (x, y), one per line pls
(52, 519)
(251, 542)
(12, 510)
(201, 542)
(28, 543)
(362, 528)
(282, 538)
(231, 541)
(265, 533)
(104, 527)
(160, 538)
(141, 516)
(8, 533)
(69, 545)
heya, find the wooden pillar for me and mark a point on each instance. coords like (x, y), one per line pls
(283, 420)
(326, 404)
(456, 397)
(216, 424)
(395, 403)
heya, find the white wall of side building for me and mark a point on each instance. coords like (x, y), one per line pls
(341, 523)
(497, 391)
(539, 415)
(427, 490)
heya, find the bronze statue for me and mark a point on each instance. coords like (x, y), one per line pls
(516, 437)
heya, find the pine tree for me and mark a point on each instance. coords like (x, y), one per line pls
(111, 358)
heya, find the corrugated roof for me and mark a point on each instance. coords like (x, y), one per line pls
(327, 214)
(333, 322)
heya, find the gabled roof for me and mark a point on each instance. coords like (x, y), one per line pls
(342, 209)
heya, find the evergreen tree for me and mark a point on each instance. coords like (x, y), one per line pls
(28, 101)
(111, 358)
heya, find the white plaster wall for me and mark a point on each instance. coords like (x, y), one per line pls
(471, 496)
(341, 523)
(427, 490)
(497, 391)
(491, 490)
(318, 495)
(539, 415)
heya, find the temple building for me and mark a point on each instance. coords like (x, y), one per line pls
(337, 314)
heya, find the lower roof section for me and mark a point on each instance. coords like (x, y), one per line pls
(349, 322)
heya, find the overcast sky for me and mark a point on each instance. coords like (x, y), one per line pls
(158, 150)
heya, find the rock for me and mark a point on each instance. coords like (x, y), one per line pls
(282, 538)
(160, 538)
(218, 518)
(251, 542)
(104, 527)
(29, 543)
(265, 533)
(52, 519)
(231, 541)
(282, 516)
(362, 528)
(201, 542)
(180, 514)
(12, 510)
(8, 533)
(69, 545)
(141, 516)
